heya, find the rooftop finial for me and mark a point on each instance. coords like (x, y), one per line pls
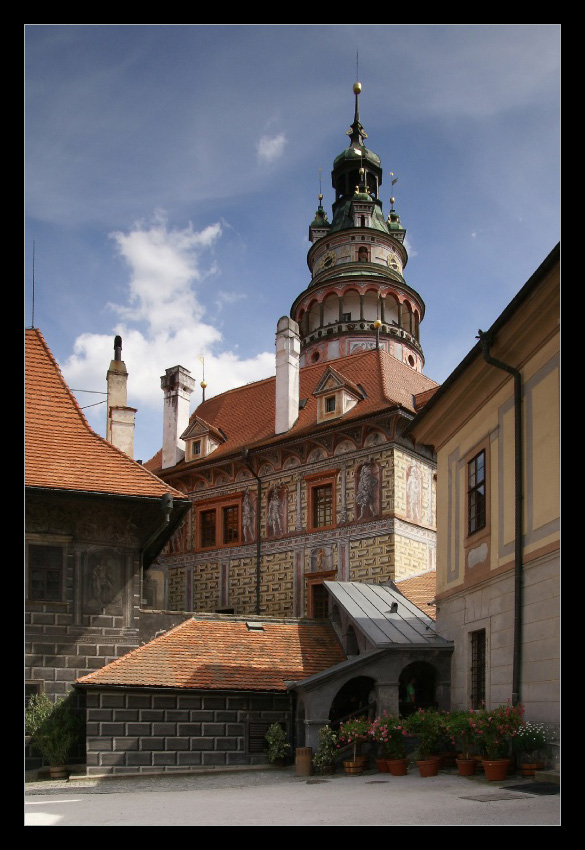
(356, 132)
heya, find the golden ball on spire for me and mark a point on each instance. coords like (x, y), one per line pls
(357, 87)
(377, 324)
(203, 385)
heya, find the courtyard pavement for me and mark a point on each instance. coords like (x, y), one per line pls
(279, 797)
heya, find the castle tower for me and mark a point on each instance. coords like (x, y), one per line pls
(358, 298)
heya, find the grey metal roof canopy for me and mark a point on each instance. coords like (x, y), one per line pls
(384, 615)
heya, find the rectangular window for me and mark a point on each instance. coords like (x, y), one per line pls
(476, 502)
(319, 602)
(346, 317)
(330, 404)
(207, 527)
(218, 524)
(323, 506)
(231, 517)
(478, 668)
(45, 565)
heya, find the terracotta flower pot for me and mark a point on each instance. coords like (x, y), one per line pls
(466, 767)
(529, 768)
(496, 770)
(397, 767)
(58, 772)
(428, 767)
(382, 765)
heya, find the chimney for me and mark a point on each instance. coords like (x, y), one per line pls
(177, 385)
(288, 351)
(120, 418)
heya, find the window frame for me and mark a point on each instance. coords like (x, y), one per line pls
(314, 484)
(218, 508)
(477, 518)
(59, 597)
(478, 668)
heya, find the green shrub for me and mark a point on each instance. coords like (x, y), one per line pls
(55, 728)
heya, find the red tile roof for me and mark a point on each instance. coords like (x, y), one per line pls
(246, 414)
(61, 450)
(420, 590)
(225, 655)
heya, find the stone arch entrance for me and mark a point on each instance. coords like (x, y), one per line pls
(422, 676)
(353, 698)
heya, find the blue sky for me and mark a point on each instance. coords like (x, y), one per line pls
(172, 172)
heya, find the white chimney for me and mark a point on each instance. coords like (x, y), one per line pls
(120, 417)
(177, 385)
(288, 352)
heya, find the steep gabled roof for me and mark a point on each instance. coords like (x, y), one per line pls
(61, 450)
(246, 414)
(225, 655)
(421, 590)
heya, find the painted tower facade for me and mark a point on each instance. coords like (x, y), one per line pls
(305, 477)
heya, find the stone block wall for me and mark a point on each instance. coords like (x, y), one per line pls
(153, 732)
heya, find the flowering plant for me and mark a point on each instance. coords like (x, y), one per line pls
(460, 727)
(496, 728)
(353, 731)
(426, 724)
(530, 738)
(327, 749)
(389, 732)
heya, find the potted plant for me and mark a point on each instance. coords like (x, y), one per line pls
(354, 732)
(426, 725)
(326, 754)
(389, 732)
(529, 744)
(278, 746)
(496, 729)
(461, 728)
(54, 729)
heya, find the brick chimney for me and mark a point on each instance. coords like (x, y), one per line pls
(288, 351)
(120, 417)
(177, 385)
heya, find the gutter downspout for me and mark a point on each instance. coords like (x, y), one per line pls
(258, 526)
(485, 342)
(166, 504)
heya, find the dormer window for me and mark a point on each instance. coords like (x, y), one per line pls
(201, 439)
(335, 395)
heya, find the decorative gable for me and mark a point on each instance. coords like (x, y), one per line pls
(201, 439)
(335, 395)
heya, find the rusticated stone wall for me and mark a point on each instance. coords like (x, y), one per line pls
(153, 732)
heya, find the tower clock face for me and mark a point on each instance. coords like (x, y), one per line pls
(327, 260)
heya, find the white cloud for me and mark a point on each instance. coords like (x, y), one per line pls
(271, 148)
(163, 323)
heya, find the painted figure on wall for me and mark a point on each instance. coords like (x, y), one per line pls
(413, 493)
(102, 584)
(321, 560)
(248, 517)
(366, 499)
(276, 512)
